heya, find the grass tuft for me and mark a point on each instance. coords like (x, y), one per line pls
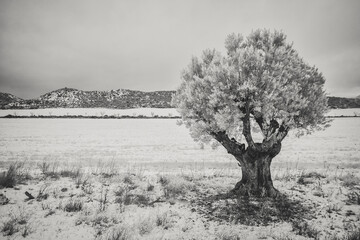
(305, 229)
(119, 232)
(164, 220)
(73, 205)
(350, 180)
(15, 174)
(146, 226)
(175, 185)
(308, 178)
(353, 198)
(228, 233)
(10, 227)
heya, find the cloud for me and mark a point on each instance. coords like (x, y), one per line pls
(144, 45)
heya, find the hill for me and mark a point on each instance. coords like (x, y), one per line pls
(7, 98)
(117, 99)
(338, 102)
(74, 98)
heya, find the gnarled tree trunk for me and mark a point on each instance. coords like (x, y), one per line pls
(256, 177)
(255, 161)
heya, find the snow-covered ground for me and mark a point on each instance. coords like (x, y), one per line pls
(148, 112)
(144, 151)
(128, 141)
(344, 112)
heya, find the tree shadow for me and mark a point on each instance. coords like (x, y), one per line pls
(253, 211)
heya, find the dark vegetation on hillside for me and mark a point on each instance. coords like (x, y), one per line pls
(118, 99)
(338, 102)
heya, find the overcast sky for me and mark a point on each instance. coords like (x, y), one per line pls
(144, 45)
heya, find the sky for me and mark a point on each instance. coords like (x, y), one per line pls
(145, 44)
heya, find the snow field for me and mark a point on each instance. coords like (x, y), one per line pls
(159, 142)
(148, 112)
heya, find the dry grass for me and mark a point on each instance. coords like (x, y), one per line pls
(192, 205)
(349, 180)
(18, 221)
(16, 173)
(119, 232)
(73, 205)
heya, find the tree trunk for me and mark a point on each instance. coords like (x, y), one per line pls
(256, 177)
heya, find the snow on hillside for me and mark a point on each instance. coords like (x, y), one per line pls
(99, 112)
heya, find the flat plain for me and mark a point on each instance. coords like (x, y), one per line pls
(147, 179)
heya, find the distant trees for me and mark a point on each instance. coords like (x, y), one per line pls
(262, 83)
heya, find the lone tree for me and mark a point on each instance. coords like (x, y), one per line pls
(261, 83)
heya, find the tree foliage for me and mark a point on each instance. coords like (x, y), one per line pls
(261, 81)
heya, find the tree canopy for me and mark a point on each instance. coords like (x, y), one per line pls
(261, 81)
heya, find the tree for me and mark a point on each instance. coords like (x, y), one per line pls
(262, 83)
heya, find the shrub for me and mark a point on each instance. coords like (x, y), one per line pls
(146, 226)
(103, 199)
(129, 179)
(353, 198)
(44, 167)
(26, 231)
(227, 233)
(150, 187)
(304, 229)
(10, 227)
(73, 205)
(74, 173)
(353, 235)
(175, 185)
(164, 219)
(18, 221)
(8, 179)
(119, 232)
(42, 195)
(15, 174)
(307, 178)
(349, 180)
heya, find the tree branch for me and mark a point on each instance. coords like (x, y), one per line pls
(282, 132)
(247, 126)
(231, 145)
(261, 122)
(276, 138)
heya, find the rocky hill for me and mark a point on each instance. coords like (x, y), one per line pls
(120, 99)
(74, 98)
(7, 98)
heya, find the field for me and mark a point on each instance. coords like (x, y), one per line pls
(134, 112)
(147, 179)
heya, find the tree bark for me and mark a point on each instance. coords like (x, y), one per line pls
(256, 177)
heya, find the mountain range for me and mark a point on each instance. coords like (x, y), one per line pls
(120, 99)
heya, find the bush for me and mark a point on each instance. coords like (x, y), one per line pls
(73, 205)
(146, 226)
(353, 235)
(9, 227)
(44, 167)
(8, 179)
(175, 185)
(304, 229)
(307, 178)
(15, 174)
(349, 180)
(228, 233)
(18, 221)
(353, 198)
(119, 232)
(164, 219)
